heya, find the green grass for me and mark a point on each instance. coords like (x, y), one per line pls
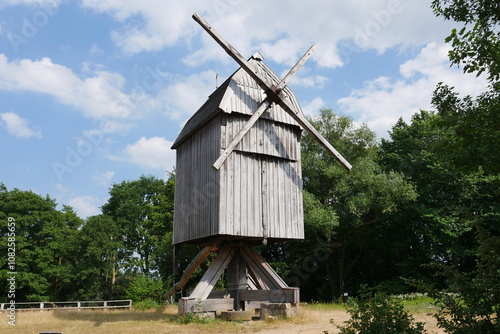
(323, 306)
(414, 303)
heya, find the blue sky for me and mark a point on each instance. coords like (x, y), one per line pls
(94, 92)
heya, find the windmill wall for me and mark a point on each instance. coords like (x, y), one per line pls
(257, 193)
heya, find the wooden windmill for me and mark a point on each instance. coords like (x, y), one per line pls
(239, 184)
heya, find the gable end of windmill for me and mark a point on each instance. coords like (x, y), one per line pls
(240, 94)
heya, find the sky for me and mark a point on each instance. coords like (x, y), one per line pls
(94, 92)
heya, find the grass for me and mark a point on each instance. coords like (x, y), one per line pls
(162, 320)
(166, 320)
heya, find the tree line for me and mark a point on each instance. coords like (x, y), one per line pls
(419, 210)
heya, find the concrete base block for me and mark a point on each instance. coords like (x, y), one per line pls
(206, 315)
(237, 315)
(278, 310)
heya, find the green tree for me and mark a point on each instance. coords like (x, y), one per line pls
(457, 215)
(471, 304)
(102, 256)
(45, 245)
(341, 209)
(476, 45)
(421, 151)
(143, 212)
(144, 287)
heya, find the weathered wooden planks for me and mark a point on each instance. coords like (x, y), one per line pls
(257, 192)
(213, 274)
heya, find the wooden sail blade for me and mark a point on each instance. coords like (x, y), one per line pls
(239, 136)
(272, 91)
(297, 66)
(299, 118)
(247, 66)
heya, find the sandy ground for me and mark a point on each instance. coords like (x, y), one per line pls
(320, 321)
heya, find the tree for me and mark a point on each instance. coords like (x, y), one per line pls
(340, 208)
(421, 151)
(477, 44)
(471, 304)
(143, 212)
(45, 245)
(455, 169)
(102, 257)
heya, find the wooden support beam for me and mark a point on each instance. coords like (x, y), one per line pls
(261, 270)
(272, 296)
(237, 277)
(212, 275)
(197, 261)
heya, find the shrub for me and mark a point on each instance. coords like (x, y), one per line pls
(471, 303)
(143, 288)
(382, 315)
(146, 304)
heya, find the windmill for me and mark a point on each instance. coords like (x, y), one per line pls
(239, 184)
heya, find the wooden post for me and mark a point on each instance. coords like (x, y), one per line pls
(175, 259)
(237, 278)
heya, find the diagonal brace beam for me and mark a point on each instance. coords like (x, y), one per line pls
(197, 261)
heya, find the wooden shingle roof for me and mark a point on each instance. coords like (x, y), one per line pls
(240, 94)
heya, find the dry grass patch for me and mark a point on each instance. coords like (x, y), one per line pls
(313, 319)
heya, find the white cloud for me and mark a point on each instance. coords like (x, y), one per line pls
(85, 206)
(18, 126)
(98, 96)
(104, 178)
(164, 23)
(311, 108)
(308, 81)
(382, 101)
(61, 187)
(187, 95)
(282, 33)
(154, 152)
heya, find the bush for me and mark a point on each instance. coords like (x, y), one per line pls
(143, 288)
(146, 304)
(471, 303)
(382, 315)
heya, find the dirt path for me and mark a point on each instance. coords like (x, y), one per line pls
(318, 321)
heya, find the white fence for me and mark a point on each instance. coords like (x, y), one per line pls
(79, 305)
